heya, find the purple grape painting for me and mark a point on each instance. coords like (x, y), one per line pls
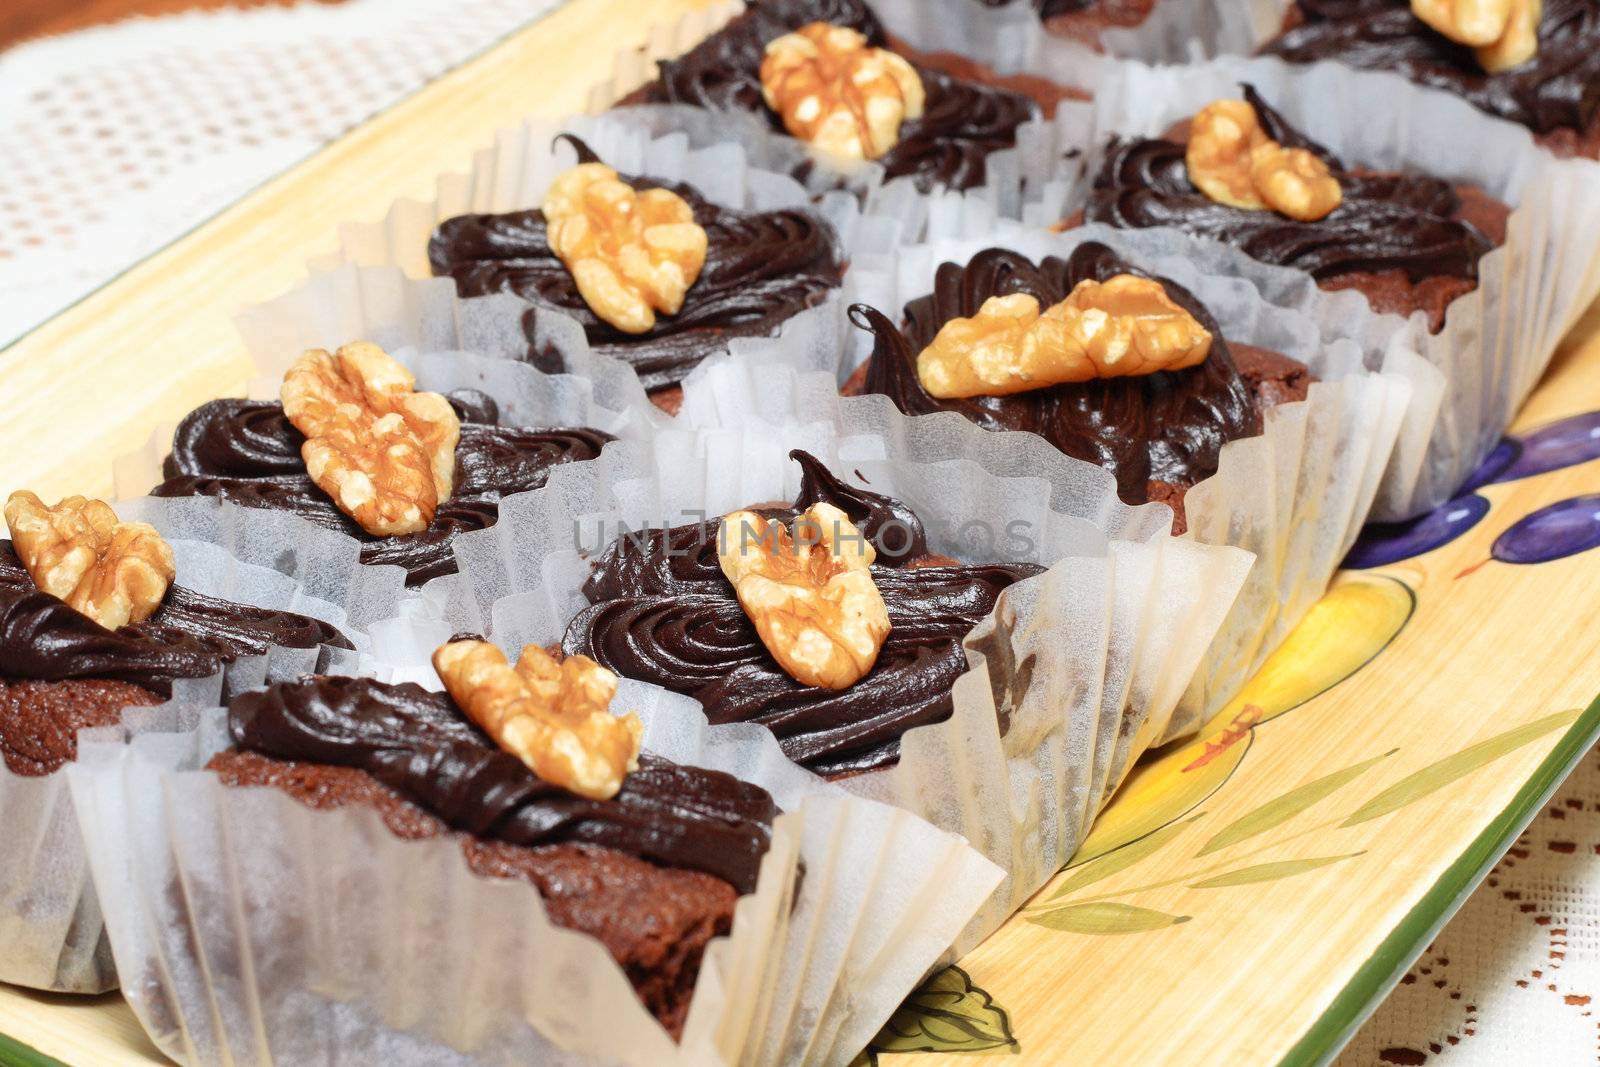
(1382, 543)
(1500, 458)
(1562, 529)
(1564, 443)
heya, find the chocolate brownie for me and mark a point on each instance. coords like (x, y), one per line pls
(1157, 433)
(1556, 95)
(663, 612)
(248, 452)
(652, 873)
(962, 122)
(1085, 20)
(61, 671)
(1408, 242)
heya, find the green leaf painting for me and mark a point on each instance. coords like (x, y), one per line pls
(1121, 859)
(1105, 917)
(1437, 775)
(1280, 810)
(947, 1014)
(1269, 872)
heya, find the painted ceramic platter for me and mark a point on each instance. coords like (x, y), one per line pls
(1249, 895)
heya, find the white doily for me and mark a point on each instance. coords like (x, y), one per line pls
(115, 140)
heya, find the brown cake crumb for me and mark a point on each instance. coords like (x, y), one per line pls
(655, 921)
(39, 721)
(1042, 91)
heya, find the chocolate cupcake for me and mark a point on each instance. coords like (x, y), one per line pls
(1555, 92)
(1085, 20)
(1157, 433)
(60, 671)
(760, 268)
(653, 872)
(952, 121)
(251, 453)
(663, 611)
(1407, 242)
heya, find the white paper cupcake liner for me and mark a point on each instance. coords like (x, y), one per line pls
(51, 935)
(1295, 496)
(1089, 659)
(254, 930)
(1498, 339)
(1031, 178)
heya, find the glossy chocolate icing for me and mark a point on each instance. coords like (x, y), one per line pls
(1558, 89)
(248, 452)
(762, 268)
(1386, 221)
(1164, 427)
(962, 122)
(419, 743)
(189, 636)
(662, 612)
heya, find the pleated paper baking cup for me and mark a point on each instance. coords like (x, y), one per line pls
(1496, 340)
(251, 929)
(1296, 496)
(1031, 178)
(51, 934)
(1012, 39)
(1086, 661)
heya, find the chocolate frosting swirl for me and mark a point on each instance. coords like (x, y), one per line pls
(662, 612)
(762, 268)
(188, 636)
(1558, 89)
(1169, 426)
(1385, 222)
(962, 122)
(420, 744)
(248, 452)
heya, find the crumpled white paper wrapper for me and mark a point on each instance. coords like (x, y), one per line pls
(1498, 339)
(1030, 179)
(1296, 496)
(1013, 40)
(51, 934)
(1089, 659)
(254, 930)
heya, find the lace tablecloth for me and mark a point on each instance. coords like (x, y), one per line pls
(114, 141)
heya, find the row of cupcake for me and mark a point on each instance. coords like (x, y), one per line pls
(1030, 622)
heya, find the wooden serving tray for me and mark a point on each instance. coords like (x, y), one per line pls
(1247, 898)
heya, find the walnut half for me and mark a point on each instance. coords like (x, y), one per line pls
(813, 602)
(114, 572)
(385, 453)
(553, 716)
(1502, 33)
(1124, 326)
(834, 92)
(1233, 161)
(631, 253)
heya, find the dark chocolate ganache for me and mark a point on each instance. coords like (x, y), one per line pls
(1559, 89)
(762, 268)
(1386, 222)
(663, 612)
(188, 636)
(962, 121)
(419, 743)
(1168, 426)
(247, 451)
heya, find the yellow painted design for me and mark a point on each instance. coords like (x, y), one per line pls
(1352, 623)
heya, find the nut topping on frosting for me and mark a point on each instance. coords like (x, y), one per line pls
(1121, 327)
(113, 572)
(834, 92)
(814, 603)
(386, 454)
(1502, 33)
(553, 716)
(631, 253)
(1233, 161)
